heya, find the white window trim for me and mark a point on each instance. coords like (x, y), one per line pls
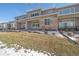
(48, 18)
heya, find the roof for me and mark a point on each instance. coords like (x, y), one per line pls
(34, 10)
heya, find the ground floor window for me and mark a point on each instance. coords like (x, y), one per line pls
(35, 25)
(21, 26)
(47, 21)
(66, 24)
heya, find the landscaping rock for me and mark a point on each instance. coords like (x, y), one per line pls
(71, 34)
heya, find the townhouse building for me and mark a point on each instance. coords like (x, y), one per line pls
(1, 26)
(66, 18)
(38, 20)
(11, 25)
(8, 26)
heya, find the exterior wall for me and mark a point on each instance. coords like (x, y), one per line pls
(40, 21)
(11, 25)
(65, 15)
(67, 23)
(49, 11)
(31, 25)
(54, 14)
(53, 25)
(26, 26)
(77, 8)
(7, 26)
(4, 26)
(77, 23)
(20, 25)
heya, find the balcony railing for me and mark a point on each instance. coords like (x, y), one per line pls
(26, 17)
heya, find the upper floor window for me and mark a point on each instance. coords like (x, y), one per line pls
(34, 14)
(47, 21)
(21, 17)
(66, 11)
(77, 9)
(51, 11)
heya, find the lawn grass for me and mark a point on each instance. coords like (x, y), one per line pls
(40, 42)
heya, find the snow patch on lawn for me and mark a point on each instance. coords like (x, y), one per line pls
(13, 51)
(71, 37)
(56, 33)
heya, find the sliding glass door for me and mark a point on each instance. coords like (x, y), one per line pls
(66, 24)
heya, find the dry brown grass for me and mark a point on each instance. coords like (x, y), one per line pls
(77, 40)
(40, 42)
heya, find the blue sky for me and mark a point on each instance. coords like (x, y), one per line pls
(8, 10)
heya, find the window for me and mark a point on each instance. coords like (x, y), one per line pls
(21, 17)
(51, 11)
(35, 25)
(66, 24)
(22, 26)
(66, 11)
(77, 9)
(47, 21)
(34, 14)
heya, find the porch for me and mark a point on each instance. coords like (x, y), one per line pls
(33, 25)
(69, 24)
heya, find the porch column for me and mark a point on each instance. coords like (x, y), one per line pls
(41, 24)
(16, 25)
(26, 25)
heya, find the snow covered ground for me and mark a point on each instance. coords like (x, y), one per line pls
(5, 51)
(72, 38)
(76, 35)
(56, 33)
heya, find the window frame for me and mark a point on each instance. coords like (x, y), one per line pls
(48, 22)
(72, 11)
(35, 14)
